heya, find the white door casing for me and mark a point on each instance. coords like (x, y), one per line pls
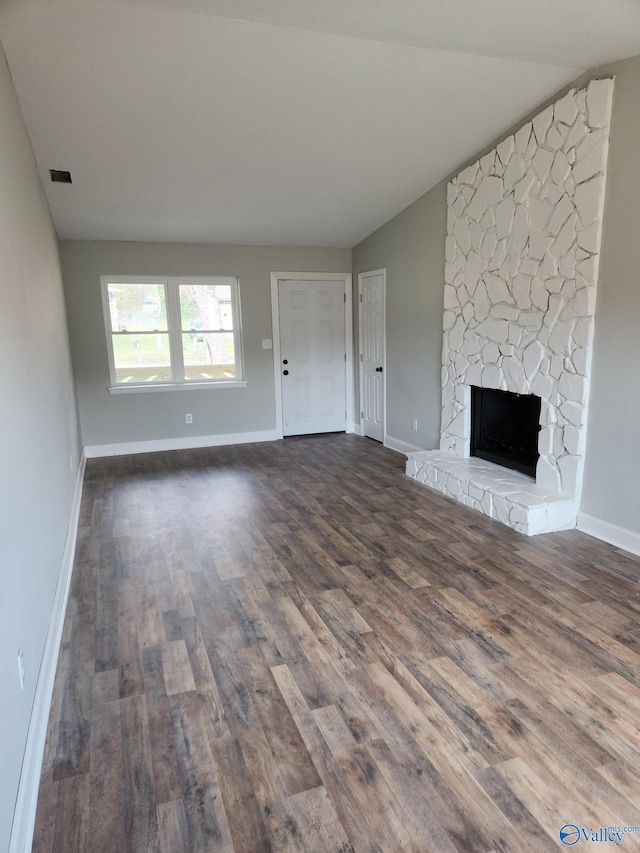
(371, 294)
(312, 330)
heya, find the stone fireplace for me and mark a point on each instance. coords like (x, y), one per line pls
(522, 248)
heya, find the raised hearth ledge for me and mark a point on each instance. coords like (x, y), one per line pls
(508, 496)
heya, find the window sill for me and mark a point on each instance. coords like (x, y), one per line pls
(177, 386)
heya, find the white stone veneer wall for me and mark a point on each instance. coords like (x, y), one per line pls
(523, 227)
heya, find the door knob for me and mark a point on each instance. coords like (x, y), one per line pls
(378, 370)
(285, 361)
(285, 372)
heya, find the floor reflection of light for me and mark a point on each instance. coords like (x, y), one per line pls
(230, 493)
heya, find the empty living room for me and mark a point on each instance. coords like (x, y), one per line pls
(320, 499)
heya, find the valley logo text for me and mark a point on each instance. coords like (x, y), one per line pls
(571, 834)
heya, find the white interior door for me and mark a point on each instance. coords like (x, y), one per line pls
(371, 286)
(312, 356)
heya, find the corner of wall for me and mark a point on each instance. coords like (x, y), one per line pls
(27, 798)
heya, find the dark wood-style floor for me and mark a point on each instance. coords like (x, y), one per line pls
(293, 647)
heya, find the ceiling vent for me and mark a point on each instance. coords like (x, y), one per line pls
(59, 177)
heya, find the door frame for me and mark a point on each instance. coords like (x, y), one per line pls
(347, 278)
(361, 276)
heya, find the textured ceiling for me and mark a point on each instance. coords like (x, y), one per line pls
(294, 122)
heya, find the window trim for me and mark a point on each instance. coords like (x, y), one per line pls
(174, 333)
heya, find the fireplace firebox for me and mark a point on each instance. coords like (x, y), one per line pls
(505, 427)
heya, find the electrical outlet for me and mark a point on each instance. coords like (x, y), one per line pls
(414, 425)
(267, 343)
(188, 419)
(21, 668)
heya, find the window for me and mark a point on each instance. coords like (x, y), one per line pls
(164, 333)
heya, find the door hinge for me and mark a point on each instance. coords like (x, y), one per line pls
(345, 297)
(361, 357)
(361, 414)
(360, 297)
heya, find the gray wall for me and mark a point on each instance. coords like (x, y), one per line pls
(108, 419)
(611, 488)
(411, 247)
(39, 434)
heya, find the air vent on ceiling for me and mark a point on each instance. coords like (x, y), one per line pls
(60, 177)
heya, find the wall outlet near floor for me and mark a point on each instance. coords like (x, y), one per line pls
(188, 419)
(21, 667)
(414, 425)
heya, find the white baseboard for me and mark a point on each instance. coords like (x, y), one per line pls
(124, 448)
(24, 816)
(400, 446)
(357, 428)
(621, 537)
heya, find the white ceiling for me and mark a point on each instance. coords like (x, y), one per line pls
(290, 122)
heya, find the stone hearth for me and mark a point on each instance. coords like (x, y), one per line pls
(522, 250)
(508, 496)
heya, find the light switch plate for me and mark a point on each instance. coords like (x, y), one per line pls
(266, 343)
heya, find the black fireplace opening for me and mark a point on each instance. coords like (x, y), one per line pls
(505, 427)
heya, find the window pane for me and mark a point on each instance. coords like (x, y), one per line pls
(141, 358)
(137, 307)
(208, 356)
(206, 306)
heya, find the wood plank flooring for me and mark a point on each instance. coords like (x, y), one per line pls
(293, 647)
